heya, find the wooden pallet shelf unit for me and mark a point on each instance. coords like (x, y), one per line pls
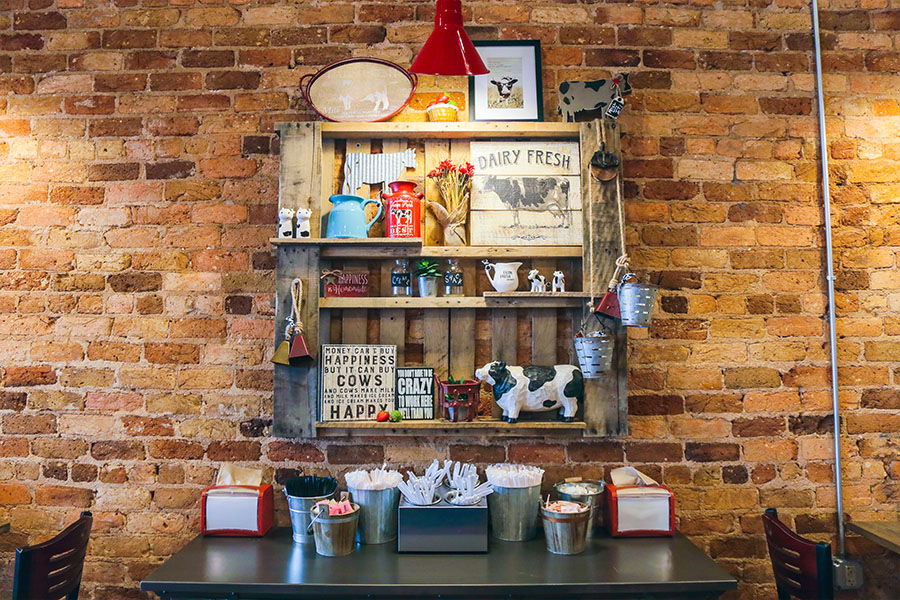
(447, 333)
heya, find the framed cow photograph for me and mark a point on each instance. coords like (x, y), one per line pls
(513, 90)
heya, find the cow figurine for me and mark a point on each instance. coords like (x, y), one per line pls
(559, 281)
(303, 215)
(590, 96)
(504, 87)
(538, 283)
(534, 389)
(285, 223)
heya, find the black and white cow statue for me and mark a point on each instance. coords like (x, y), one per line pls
(504, 86)
(534, 389)
(590, 96)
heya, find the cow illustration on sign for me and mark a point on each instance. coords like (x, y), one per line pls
(591, 96)
(550, 194)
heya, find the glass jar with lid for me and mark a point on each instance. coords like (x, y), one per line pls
(453, 279)
(401, 278)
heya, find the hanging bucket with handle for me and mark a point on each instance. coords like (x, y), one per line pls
(594, 348)
(636, 302)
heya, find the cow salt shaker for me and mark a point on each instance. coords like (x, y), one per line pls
(534, 389)
(538, 283)
(303, 216)
(285, 223)
(559, 281)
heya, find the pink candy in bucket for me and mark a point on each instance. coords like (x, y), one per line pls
(334, 507)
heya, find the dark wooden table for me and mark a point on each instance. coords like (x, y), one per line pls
(273, 567)
(883, 533)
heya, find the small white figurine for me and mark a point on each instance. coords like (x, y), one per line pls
(303, 215)
(285, 223)
(538, 283)
(559, 281)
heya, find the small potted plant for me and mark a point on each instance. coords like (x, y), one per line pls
(427, 275)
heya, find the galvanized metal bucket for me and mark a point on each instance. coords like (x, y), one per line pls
(335, 535)
(636, 303)
(595, 353)
(514, 512)
(299, 507)
(594, 499)
(566, 533)
(378, 514)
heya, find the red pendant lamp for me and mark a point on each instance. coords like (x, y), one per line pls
(448, 50)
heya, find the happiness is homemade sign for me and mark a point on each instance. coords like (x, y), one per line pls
(357, 381)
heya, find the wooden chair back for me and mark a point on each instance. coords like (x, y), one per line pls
(52, 570)
(803, 569)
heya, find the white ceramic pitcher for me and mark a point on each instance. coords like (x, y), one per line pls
(506, 275)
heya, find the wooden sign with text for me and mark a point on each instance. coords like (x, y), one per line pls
(357, 381)
(526, 193)
(415, 392)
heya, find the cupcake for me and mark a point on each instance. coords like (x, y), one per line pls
(442, 109)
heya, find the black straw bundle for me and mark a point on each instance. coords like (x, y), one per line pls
(310, 486)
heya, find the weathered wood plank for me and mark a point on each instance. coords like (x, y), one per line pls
(604, 212)
(296, 389)
(504, 341)
(496, 227)
(462, 343)
(300, 177)
(436, 331)
(393, 320)
(543, 322)
(606, 397)
(525, 158)
(354, 326)
(317, 225)
(461, 129)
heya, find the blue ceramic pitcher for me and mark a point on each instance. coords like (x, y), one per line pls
(347, 218)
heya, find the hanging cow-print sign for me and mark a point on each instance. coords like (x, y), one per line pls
(586, 100)
(526, 193)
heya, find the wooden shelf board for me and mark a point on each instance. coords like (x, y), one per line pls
(520, 299)
(410, 247)
(481, 424)
(460, 129)
(537, 295)
(503, 251)
(363, 244)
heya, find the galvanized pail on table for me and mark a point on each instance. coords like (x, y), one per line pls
(300, 507)
(594, 498)
(378, 514)
(335, 535)
(514, 512)
(566, 533)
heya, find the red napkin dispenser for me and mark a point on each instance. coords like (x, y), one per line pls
(237, 510)
(640, 510)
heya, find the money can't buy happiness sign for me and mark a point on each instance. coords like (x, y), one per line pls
(357, 381)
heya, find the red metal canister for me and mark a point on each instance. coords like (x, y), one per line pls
(403, 210)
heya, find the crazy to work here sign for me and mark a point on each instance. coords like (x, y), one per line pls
(357, 381)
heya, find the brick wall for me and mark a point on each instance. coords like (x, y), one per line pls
(138, 185)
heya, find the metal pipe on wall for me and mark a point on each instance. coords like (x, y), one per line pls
(829, 258)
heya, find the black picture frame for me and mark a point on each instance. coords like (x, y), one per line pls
(478, 100)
